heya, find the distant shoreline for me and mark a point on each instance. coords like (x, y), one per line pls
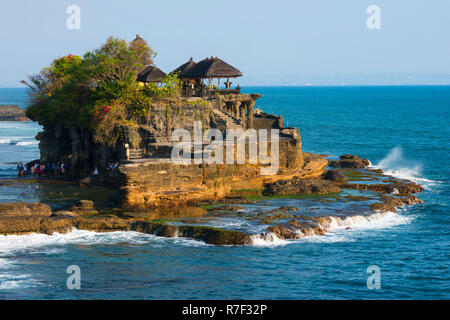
(313, 85)
(12, 113)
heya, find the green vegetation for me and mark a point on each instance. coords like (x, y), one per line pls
(99, 91)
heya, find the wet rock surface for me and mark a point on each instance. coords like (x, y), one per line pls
(301, 186)
(395, 187)
(335, 175)
(349, 161)
(15, 209)
(209, 235)
(316, 208)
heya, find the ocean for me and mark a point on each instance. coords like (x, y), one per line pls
(402, 130)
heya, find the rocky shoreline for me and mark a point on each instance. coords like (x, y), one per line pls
(383, 194)
(12, 113)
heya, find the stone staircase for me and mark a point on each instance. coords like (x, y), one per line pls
(232, 122)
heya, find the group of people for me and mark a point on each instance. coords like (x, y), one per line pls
(42, 169)
(22, 169)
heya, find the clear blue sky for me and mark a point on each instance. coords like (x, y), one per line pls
(282, 39)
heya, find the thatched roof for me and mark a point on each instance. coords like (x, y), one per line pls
(212, 68)
(138, 40)
(151, 74)
(181, 70)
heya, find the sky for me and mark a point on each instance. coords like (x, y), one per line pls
(282, 42)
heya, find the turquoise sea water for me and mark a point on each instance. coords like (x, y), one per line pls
(403, 130)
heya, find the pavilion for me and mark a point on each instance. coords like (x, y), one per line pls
(192, 74)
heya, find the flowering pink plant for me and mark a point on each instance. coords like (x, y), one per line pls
(99, 114)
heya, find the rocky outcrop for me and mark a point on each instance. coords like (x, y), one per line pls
(335, 175)
(24, 209)
(390, 204)
(301, 186)
(75, 147)
(12, 113)
(398, 187)
(23, 217)
(297, 230)
(349, 161)
(207, 234)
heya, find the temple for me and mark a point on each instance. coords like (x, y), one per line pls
(146, 175)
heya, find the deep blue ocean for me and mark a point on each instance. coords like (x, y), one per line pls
(403, 130)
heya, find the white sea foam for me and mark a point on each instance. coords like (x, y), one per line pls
(6, 140)
(54, 244)
(268, 240)
(342, 229)
(373, 221)
(18, 141)
(16, 284)
(45, 244)
(27, 143)
(394, 164)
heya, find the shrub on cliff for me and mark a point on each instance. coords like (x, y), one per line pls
(99, 87)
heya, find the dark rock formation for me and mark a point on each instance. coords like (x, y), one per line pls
(390, 204)
(349, 161)
(335, 175)
(207, 234)
(295, 230)
(301, 186)
(398, 186)
(12, 113)
(76, 148)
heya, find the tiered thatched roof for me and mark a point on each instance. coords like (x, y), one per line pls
(138, 41)
(212, 68)
(181, 70)
(151, 74)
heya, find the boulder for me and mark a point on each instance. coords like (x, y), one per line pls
(349, 161)
(296, 230)
(390, 204)
(335, 175)
(56, 224)
(86, 204)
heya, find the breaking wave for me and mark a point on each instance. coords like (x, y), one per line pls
(394, 164)
(17, 142)
(27, 143)
(341, 229)
(39, 244)
(268, 240)
(45, 244)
